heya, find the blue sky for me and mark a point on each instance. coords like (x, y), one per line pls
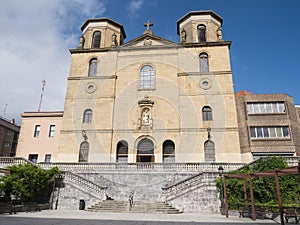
(35, 36)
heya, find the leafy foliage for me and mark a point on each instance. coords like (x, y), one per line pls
(27, 182)
(264, 189)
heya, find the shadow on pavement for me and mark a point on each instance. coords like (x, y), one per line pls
(7, 220)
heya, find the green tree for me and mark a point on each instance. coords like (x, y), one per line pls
(27, 182)
(264, 189)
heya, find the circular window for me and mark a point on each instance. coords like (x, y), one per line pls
(91, 87)
(205, 84)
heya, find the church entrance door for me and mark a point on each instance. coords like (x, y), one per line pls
(145, 151)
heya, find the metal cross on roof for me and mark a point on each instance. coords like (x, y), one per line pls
(148, 24)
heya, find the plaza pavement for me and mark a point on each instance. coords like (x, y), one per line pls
(78, 217)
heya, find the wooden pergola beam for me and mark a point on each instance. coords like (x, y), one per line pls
(270, 173)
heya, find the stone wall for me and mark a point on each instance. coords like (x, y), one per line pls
(147, 187)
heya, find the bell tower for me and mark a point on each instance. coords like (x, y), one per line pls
(200, 27)
(101, 33)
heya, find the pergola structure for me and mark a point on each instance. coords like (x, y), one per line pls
(250, 176)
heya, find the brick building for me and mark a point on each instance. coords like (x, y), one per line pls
(268, 125)
(9, 133)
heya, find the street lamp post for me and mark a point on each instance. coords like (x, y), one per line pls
(221, 170)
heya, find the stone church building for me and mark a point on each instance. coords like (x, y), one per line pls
(150, 99)
(154, 100)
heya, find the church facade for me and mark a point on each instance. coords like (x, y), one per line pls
(151, 99)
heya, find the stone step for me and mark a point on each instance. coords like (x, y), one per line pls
(138, 207)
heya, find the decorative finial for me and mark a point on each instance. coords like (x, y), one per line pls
(148, 25)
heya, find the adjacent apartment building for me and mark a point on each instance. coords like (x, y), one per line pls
(9, 133)
(268, 125)
(39, 136)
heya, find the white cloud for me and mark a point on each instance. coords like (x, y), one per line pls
(35, 36)
(134, 6)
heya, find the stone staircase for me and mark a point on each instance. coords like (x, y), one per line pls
(138, 207)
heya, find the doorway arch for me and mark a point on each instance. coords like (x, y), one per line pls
(145, 150)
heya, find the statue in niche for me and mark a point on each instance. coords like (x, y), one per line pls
(183, 35)
(219, 34)
(114, 40)
(146, 116)
(81, 42)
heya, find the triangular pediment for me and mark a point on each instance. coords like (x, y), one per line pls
(148, 40)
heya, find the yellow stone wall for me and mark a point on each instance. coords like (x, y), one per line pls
(178, 98)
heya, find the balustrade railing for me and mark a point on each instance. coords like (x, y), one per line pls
(174, 190)
(154, 167)
(8, 161)
(84, 183)
(171, 167)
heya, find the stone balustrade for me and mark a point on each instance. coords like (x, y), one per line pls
(130, 167)
(152, 167)
(83, 182)
(174, 190)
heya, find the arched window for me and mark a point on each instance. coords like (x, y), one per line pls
(84, 152)
(206, 113)
(96, 39)
(209, 151)
(203, 61)
(87, 116)
(122, 151)
(168, 151)
(147, 77)
(145, 151)
(93, 67)
(201, 33)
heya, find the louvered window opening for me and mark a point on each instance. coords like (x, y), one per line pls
(122, 151)
(96, 39)
(145, 147)
(168, 151)
(201, 33)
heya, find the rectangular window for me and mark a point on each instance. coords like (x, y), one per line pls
(33, 158)
(272, 132)
(278, 132)
(37, 131)
(266, 132)
(48, 158)
(51, 131)
(259, 132)
(265, 107)
(269, 132)
(285, 131)
(269, 107)
(252, 132)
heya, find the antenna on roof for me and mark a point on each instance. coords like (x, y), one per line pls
(41, 99)
(4, 110)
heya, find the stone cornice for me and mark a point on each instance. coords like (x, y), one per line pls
(207, 44)
(154, 47)
(204, 74)
(226, 129)
(94, 78)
